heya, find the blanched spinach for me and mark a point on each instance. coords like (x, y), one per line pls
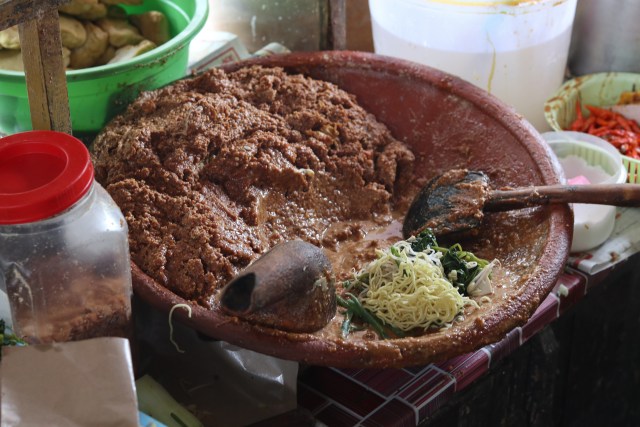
(464, 265)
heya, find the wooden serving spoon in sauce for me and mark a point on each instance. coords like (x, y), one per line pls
(454, 203)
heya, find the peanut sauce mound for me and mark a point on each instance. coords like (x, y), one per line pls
(212, 171)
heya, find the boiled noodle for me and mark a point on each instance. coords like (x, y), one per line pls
(408, 289)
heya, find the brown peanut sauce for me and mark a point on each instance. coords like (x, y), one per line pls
(212, 172)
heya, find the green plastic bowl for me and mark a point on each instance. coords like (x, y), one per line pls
(97, 94)
(599, 89)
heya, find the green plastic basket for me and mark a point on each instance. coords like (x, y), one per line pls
(600, 89)
(97, 94)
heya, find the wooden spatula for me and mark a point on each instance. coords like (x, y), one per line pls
(455, 201)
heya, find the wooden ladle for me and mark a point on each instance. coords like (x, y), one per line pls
(454, 203)
(291, 287)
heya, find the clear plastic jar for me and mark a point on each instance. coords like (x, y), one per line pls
(64, 254)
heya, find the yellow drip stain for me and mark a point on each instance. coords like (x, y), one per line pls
(493, 64)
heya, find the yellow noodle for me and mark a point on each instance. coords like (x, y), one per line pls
(407, 289)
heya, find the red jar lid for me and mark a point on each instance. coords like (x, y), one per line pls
(42, 173)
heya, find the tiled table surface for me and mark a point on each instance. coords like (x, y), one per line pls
(406, 397)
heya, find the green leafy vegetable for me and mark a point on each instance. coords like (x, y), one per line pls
(460, 266)
(346, 324)
(426, 239)
(355, 308)
(9, 338)
(464, 265)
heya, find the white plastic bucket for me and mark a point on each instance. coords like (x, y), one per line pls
(514, 50)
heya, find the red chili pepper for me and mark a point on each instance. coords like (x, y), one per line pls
(624, 123)
(589, 124)
(579, 116)
(600, 112)
(600, 131)
(619, 131)
(577, 125)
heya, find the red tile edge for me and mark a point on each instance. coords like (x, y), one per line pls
(428, 392)
(504, 347)
(394, 413)
(546, 313)
(310, 399)
(467, 367)
(384, 382)
(337, 416)
(338, 387)
(570, 289)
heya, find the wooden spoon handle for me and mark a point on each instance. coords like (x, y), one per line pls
(598, 194)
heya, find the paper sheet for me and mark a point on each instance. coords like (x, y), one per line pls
(623, 243)
(83, 383)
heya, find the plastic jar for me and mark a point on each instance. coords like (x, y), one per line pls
(516, 50)
(64, 254)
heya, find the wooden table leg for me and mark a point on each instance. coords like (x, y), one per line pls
(44, 72)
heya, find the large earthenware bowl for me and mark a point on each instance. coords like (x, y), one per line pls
(448, 123)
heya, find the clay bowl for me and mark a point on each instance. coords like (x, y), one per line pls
(448, 123)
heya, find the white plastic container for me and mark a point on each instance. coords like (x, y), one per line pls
(514, 50)
(581, 154)
(64, 254)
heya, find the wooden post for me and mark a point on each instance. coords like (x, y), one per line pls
(338, 24)
(38, 24)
